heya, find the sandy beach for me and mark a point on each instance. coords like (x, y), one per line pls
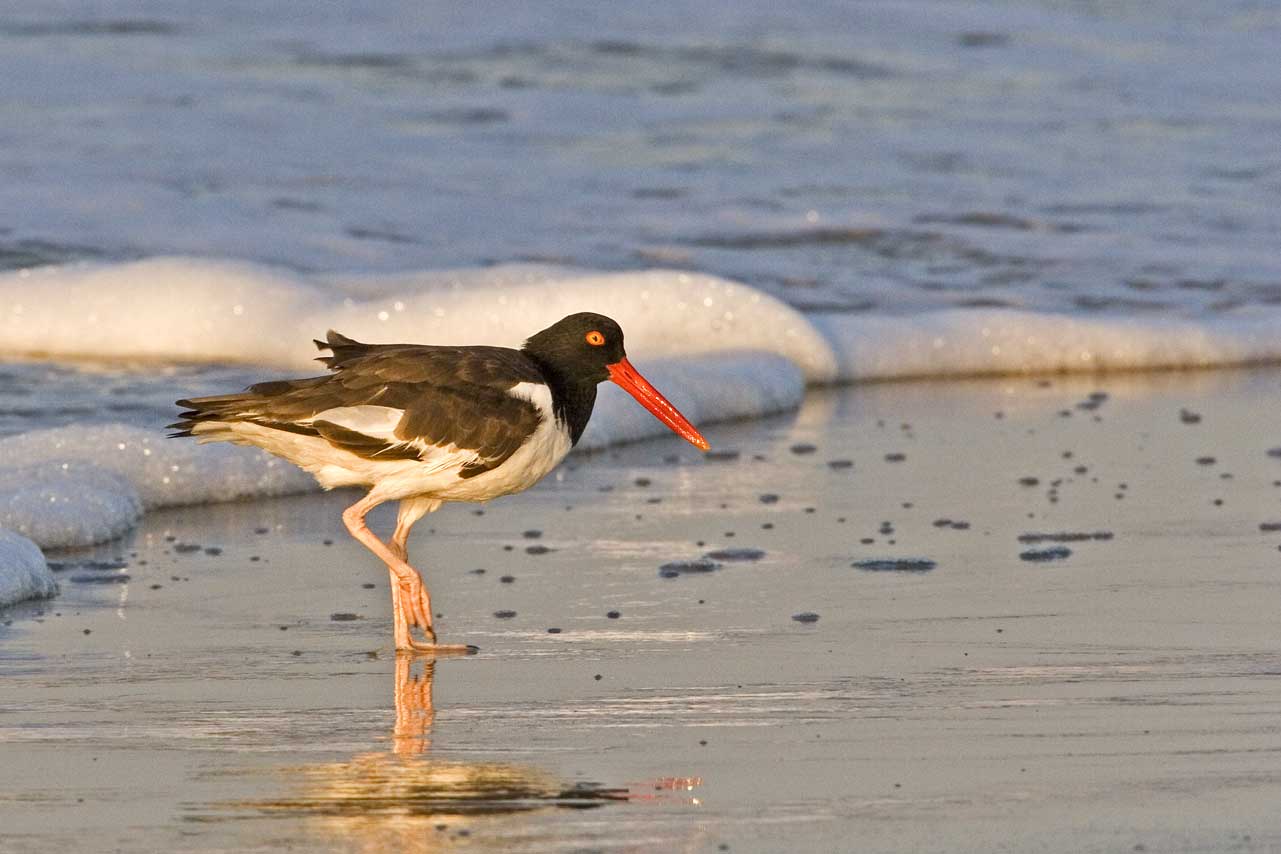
(223, 678)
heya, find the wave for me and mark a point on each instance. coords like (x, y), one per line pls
(719, 349)
(23, 571)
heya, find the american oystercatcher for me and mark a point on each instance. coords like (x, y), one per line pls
(423, 425)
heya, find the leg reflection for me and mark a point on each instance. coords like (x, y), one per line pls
(415, 712)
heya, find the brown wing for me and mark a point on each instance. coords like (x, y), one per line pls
(449, 396)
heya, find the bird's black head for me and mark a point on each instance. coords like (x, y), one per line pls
(579, 348)
(580, 351)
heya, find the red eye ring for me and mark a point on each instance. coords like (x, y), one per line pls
(595, 338)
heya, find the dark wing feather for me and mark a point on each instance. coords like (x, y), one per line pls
(451, 396)
(491, 422)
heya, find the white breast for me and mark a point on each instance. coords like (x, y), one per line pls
(541, 453)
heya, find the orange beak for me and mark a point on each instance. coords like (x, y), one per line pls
(622, 373)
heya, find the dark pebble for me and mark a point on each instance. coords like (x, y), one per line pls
(504, 615)
(91, 565)
(553, 631)
(895, 458)
(343, 616)
(720, 456)
(213, 551)
(475, 572)
(802, 448)
(806, 617)
(1205, 461)
(536, 550)
(186, 548)
(768, 498)
(1187, 416)
(369, 585)
(262, 530)
(840, 464)
(687, 567)
(532, 534)
(613, 615)
(1270, 526)
(1029, 481)
(642, 481)
(736, 554)
(1043, 555)
(896, 565)
(1069, 536)
(507, 579)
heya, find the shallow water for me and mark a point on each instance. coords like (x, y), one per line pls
(871, 157)
(988, 704)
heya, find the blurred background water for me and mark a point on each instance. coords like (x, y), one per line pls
(1082, 157)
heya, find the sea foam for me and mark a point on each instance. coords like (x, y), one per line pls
(219, 311)
(195, 310)
(718, 349)
(75, 486)
(23, 571)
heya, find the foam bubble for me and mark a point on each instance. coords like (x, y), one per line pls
(64, 503)
(161, 308)
(23, 571)
(962, 342)
(75, 486)
(197, 310)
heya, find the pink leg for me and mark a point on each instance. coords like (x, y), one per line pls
(411, 604)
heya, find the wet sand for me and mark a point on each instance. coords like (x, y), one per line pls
(238, 691)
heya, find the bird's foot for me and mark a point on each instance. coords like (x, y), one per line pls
(415, 601)
(413, 647)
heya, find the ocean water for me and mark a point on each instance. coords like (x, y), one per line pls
(766, 197)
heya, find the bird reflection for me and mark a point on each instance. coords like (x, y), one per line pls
(415, 711)
(403, 799)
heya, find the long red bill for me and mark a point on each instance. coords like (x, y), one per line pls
(622, 373)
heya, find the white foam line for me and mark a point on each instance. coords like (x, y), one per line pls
(718, 349)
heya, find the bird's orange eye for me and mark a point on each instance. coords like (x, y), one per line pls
(595, 338)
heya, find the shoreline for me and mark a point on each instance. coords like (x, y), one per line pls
(988, 702)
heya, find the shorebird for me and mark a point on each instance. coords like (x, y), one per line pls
(423, 424)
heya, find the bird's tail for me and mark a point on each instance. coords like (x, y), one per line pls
(345, 350)
(205, 415)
